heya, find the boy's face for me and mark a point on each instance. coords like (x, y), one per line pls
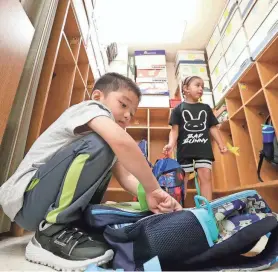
(123, 104)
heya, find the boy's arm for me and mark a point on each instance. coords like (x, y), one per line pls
(126, 179)
(126, 150)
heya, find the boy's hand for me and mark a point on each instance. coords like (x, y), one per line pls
(167, 150)
(223, 149)
(161, 202)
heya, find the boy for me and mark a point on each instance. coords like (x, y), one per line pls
(69, 166)
(191, 123)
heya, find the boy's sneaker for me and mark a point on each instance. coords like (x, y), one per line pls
(65, 248)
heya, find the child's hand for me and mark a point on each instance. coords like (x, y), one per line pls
(161, 202)
(167, 150)
(223, 149)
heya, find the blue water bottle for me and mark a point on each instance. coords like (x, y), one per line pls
(268, 133)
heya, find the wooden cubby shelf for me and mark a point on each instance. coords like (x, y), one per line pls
(159, 117)
(267, 63)
(158, 139)
(83, 62)
(60, 89)
(250, 84)
(249, 102)
(138, 134)
(271, 96)
(66, 72)
(141, 118)
(233, 100)
(78, 91)
(238, 115)
(72, 32)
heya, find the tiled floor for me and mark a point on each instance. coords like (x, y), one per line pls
(12, 252)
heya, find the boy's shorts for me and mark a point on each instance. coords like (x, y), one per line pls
(188, 164)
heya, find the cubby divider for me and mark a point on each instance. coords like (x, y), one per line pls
(78, 92)
(87, 95)
(267, 63)
(218, 179)
(158, 139)
(271, 96)
(231, 176)
(90, 82)
(245, 161)
(59, 94)
(233, 100)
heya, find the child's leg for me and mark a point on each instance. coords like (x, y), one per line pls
(65, 185)
(187, 166)
(204, 173)
(185, 182)
(58, 194)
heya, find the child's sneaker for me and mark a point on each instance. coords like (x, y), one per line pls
(66, 248)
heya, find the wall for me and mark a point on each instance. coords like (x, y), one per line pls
(172, 82)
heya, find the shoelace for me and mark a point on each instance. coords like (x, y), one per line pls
(73, 233)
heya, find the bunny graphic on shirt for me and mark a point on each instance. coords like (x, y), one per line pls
(195, 127)
(194, 124)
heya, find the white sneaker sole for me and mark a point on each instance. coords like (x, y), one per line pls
(36, 254)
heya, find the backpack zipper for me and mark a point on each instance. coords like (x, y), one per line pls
(219, 202)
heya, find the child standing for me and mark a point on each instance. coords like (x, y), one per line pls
(69, 166)
(192, 123)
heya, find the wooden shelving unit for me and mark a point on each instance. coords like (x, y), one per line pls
(66, 77)
(249, 102)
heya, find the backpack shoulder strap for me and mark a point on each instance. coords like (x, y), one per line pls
(262, 156)
(268, 120)
(260, 166)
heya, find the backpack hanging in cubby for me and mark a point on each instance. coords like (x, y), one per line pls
(270, 146)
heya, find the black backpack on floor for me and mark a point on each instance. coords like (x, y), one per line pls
(210, 237)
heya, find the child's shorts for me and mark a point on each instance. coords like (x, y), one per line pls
(188, 164)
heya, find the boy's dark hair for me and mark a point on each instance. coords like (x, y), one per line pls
(112, 82)
(188, 79)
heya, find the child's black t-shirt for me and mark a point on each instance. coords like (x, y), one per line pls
(194, 121)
